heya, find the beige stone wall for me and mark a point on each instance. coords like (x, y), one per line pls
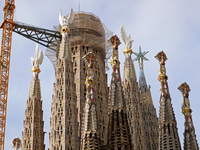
(133, 106)
(63, 122)
(150, 119)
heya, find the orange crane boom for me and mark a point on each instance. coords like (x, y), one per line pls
(5, 64)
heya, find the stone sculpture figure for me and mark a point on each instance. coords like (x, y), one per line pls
(36, 61)
(127, 39)
(64, 22)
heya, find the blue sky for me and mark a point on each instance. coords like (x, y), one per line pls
(169, 25)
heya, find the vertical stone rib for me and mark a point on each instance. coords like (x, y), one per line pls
(168, 131)
(190, 142)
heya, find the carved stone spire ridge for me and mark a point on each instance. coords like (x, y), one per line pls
(131, 95)
(63, 122)
(140, 57)
(33, 134)
(168, 131)
(118, 128)
(143, 116)
(190, 141)
(90, 137)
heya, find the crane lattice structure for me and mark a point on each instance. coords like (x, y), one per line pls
(5, 64)
(45, 37)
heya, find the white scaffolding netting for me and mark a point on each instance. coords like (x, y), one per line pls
(89, 28)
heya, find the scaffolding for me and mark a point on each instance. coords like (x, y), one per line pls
(86, 29)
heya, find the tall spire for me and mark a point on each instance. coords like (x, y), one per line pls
(149, 116)
(118, 128)
(90, 138)
(33, 134)
(190, 141)
(168, 131)
(131, 94)
(63, 122)
(140, 57)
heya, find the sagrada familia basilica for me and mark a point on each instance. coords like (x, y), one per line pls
(86, 113)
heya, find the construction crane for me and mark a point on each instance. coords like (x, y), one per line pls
(45, 37)
(5, 64)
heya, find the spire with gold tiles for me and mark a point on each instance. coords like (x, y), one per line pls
(118, 128)
(190, 142)
(33, 131)
(168, 137)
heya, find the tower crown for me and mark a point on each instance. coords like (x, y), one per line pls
(185, 89)
(161, 57)
(36, 61)
(114, 40)
(127, 40)
(140, 57)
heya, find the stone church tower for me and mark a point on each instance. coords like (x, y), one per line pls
(190, 141)
(87, 34)
(168, 138)
(118, 127)
(133, 105)
(33, 131)
(63, 122)
(149, 116)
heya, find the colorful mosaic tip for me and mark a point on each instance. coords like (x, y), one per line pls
(184, 88)
(161, 56)
(114, 40)
(89, 57)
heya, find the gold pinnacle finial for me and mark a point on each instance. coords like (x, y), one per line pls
(114, 40)
(185, 89)
(90, 59)
(35, 69)
(161, 56)
(128, 50)
(65, 29)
